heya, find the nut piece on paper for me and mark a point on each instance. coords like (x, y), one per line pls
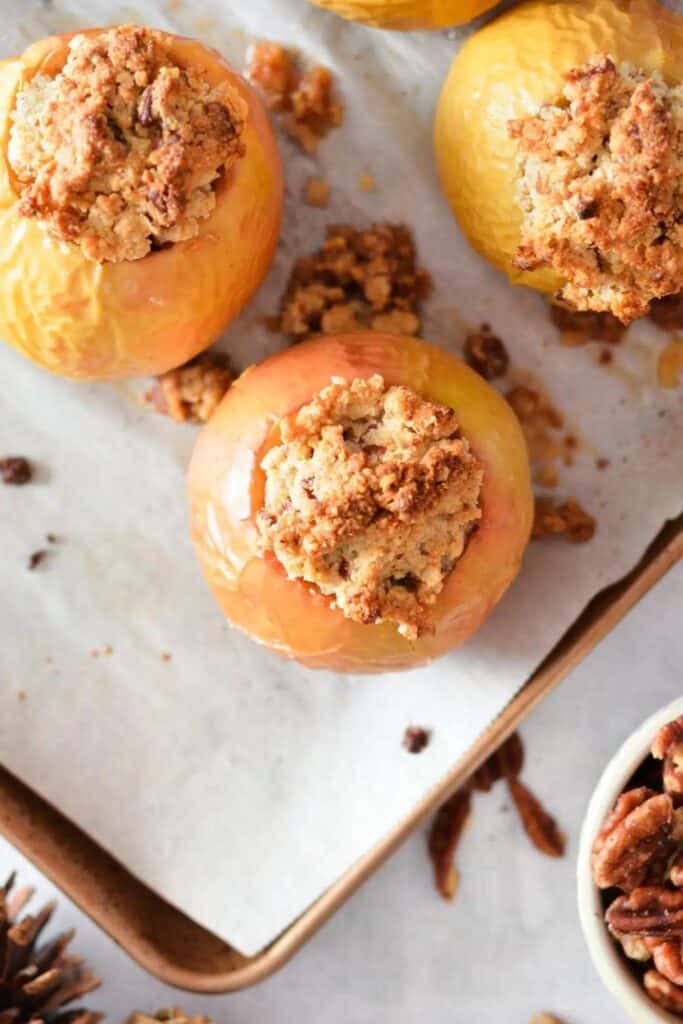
(540, 826)
(635, 842)
(444, 836)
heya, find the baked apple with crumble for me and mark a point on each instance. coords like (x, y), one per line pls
(140, 200)
(558, 136)
(360, 503)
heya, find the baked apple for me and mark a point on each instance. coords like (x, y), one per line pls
(558, 141)
(408, 14)
(140, 200)
(360, 503)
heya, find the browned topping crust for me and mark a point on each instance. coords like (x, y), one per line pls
(304, 99)
(15, 469)
(486, 353)
(355, 281)
(193, 391)
(371, 496)
(121, 150)
(600, 188)
(566, 519)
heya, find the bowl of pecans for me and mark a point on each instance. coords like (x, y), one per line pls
(630, 871)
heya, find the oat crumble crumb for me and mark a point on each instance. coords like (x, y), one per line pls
(357, 280)
(120, 151)
(486, 353)
(317, 192)
(567, 519)
(371, 496)
(192, 392)
(600, 188)
(305, 100)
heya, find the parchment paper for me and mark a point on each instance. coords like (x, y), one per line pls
(238, 786)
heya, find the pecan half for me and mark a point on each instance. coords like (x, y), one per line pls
(635, 841)
(668, 747)
(540, 826)
(663, 992)
(651, 911)
(667, 959)
(635, 947)
(505, 762)
(675, 872)
(444, 836)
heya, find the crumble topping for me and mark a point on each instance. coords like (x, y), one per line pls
(121, 150)
(355, 281)
(305, 100)
(600, 188)
(193, 391)
(371, 496)
(567, 519)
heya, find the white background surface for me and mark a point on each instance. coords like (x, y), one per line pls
(207, 747)
(510, 945)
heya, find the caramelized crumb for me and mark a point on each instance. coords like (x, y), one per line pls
(486, 353)
(416, 738)
(371, 496)
(119, 152)
(36, 559)
(668, 312)
(600, 186)
(317, 192)
(567, 519)
(579, 328)
(304, 99)
(16, 470)
(356, 280)
(193, 391)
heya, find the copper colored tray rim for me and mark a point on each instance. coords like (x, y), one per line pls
(179, 952)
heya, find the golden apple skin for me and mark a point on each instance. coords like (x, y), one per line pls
(226, 491)
(507, 70)
(104, 321)
(408, 14)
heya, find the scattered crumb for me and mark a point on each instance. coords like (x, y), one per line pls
(119, 151)
(670, 365)
(192, 392)
(606, 357)
(567, 519)
(36, 559)
(15, 469)
(366, 183)
(52, 538)
(486, 353)
(166, 656)
(317, 192)
(305, 100)
(579, 328)
(94, 653)
(599, 187)
(371, 496)
(416, 738)
(355, 281)
(541, 424)
(21, 695)
(601, 463)
(545, 1018)
(546, 476)
(107, 650)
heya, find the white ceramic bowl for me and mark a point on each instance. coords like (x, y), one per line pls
(605, 954)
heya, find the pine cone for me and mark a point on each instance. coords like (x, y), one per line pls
(172, 1015)
(37, 979)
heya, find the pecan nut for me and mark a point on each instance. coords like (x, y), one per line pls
(663, 992)
(650, 911)
(635, 842)
(668, 747)
(636, 947)
(668, 960)
(540, 826)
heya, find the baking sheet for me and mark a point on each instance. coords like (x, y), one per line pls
(238, 786)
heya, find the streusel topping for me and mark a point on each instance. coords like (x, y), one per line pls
(121, 150)
(371, 496)
(601, 175)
